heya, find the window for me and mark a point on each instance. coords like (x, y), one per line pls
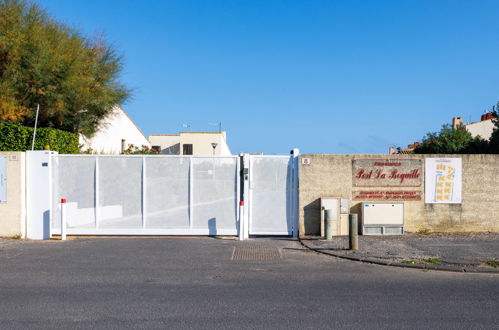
(187, 149)
(123, 146)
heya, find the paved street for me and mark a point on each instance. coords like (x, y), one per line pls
(204, 283)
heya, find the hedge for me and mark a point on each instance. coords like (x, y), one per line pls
(19, 138)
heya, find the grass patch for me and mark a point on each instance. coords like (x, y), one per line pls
(409, 262)
(492, 263)
(434, 261)
(17, 236)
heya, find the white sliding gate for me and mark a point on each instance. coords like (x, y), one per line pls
(146, 195)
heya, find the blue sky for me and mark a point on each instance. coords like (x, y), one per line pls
(323, 76)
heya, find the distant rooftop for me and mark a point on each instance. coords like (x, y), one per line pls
(187, 133)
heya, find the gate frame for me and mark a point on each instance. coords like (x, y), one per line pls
(39, 217)
(293, 195)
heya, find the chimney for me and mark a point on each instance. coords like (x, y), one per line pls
(488, 116)
(456, 122)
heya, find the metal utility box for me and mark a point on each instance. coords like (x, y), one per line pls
(345, 206)
(382, 218)
(337, 205)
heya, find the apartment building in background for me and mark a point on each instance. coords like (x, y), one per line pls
(191, 143)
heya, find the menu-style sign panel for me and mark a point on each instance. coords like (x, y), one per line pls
(387, 173)
(443, 180)
(384, 195)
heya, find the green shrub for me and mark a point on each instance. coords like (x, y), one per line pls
(19, 138)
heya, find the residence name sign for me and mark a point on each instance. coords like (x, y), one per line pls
(386, 175)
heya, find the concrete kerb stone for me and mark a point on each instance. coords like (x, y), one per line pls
(448, 268)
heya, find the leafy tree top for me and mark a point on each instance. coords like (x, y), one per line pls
(451, 141)
(42, 61)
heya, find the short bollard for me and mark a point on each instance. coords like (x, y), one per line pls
(329, 219)
(353, 232)
(63, 219)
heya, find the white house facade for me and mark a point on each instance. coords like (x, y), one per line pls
(482, 128)
(116, 134)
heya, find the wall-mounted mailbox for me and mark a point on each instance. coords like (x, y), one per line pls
(345, 206)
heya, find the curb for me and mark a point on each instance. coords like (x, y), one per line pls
(447, 268)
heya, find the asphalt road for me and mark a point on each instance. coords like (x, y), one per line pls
(184, 283)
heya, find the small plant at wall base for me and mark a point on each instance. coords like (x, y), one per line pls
(423, 231)
(409, 262)
(434, 261)
(492, 263)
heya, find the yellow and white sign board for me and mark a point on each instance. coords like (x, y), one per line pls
(443, 180)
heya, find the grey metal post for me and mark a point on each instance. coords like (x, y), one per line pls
(353, 232)
(329, 219)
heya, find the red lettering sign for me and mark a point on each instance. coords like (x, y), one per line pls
(387, 173)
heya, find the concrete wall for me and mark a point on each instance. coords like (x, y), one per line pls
(116, 127)
(12, 212)
(331, 176)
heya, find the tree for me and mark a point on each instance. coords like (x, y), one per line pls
(494, 139)
(451, 141)
(42, 61)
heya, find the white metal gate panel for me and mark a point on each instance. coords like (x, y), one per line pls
(146, 195)
(272, 181)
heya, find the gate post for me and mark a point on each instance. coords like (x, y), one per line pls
(244, 234)
(39, 194)
(240, 185)
(63, 219)
(294, 206)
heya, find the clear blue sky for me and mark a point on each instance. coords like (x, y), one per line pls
(324, 76)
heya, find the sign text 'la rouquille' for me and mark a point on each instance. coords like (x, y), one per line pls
(388, 173)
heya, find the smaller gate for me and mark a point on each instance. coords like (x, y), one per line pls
(273, 188)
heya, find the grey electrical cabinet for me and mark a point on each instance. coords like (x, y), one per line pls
(341, 209)
(382, 218)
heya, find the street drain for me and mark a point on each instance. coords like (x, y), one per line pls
(255, 252)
